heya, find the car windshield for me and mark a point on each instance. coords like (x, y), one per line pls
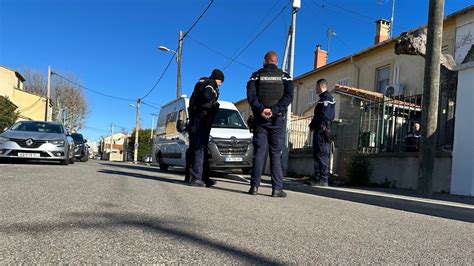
(77, 138)
(227, 118)
(37, 127)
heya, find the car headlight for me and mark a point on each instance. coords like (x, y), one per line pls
(57, 142)
(3, 139)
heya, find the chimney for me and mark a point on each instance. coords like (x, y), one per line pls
(320, 57)
(382, 30)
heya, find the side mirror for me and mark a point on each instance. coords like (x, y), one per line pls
(180, 126)
(85, 141)
(5, 129)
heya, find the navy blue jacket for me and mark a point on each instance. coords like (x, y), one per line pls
(324, 111)
(281, 106)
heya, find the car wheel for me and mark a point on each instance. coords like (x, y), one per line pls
(163, 166)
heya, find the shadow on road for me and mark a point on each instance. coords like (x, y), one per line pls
(25, 161)
(154, 225)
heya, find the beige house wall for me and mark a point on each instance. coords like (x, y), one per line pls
(30, 106)
(361, 70)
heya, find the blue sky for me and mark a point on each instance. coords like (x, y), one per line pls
(111, 46)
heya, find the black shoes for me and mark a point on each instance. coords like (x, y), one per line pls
(196, 183)
(210, 183)
(253, 190)
(315, 183)
(278, 193)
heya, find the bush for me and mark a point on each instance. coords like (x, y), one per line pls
(8, 113)
(359, 170)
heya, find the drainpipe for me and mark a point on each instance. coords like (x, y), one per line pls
(357, 70)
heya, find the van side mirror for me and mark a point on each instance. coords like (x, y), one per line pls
(180, 126)
(85, 141)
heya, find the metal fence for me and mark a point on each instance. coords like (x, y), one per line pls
(301, 138)
(383, 126)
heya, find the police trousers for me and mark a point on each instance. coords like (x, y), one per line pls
(321, 149)
(200, 131)
(268, 134)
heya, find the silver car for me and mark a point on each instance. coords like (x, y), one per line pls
(37, 140)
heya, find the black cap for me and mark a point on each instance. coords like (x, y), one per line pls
(217, 74)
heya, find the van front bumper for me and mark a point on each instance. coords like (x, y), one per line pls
(225, 158)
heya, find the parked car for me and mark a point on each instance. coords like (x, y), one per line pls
(230, 142)
(37, 140)
(81, 150)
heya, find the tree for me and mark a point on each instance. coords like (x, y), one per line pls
(35, 81)
(8, 113)
(69, 103)
(143, 143)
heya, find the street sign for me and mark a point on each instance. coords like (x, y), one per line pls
(135, 146)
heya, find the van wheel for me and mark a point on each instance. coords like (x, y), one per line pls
(163, 166)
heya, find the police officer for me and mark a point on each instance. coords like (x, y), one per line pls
(321, 127)
(269, 92)
(203, 107)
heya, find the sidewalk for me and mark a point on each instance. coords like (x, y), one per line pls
(440, 205)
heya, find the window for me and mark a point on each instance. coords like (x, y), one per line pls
(227, 118)
(382, 78)
(343, 82)
(312, 97)
(170, 123)
(182, 115)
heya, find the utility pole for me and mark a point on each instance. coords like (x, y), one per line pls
(48, 95)
(137, 130)
(152, 125)
(178, 60)
(285, 155)
(391, 19)
(111, 140)
(430, 100)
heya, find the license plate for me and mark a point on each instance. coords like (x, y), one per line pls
(236, 159)
(29, 155)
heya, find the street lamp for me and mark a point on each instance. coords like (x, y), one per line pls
(178, 61)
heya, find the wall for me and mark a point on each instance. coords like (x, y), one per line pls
(402, 170)
(463, 152)
(31, 106)
(244, 109)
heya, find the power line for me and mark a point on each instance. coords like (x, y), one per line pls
(171, 59)
(197, 20)
(91, 90)
(150, 105)
(217, 52)
(160, 78)
(254, 31)
(258, 35)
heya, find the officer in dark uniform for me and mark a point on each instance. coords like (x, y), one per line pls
(321, 127)
(269, 92)
(203, 107)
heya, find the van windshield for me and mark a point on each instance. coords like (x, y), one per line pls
(227, 118)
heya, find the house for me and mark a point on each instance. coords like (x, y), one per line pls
(114, 148)
(30, 106)
(378, 95)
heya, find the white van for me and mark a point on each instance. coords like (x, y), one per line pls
(230, 143)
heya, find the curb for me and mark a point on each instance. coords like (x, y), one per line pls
(438, 208)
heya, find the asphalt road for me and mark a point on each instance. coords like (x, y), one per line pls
(101, 212)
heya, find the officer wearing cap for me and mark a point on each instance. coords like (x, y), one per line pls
(203, 107)
(269, 92)
(320, 125)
